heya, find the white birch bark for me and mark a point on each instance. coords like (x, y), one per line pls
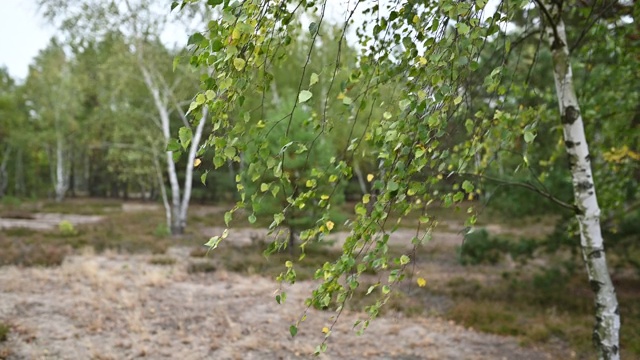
(180, 197)
(163, 112)
(360, 177)
(62, 181)
(607, 327)
(188, 181)
(163, 190)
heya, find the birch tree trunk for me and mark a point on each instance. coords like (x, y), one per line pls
(606, 331)
(188, 181)
(163, 113)
(180, 197)
(62, 183)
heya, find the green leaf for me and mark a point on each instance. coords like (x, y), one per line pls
(463, 28)
(313, 28)
(404, 260)
(213, 242)
(529, 136)
(203, 178)
(467, 186)
(404, 104)
(239, 63)
(252, 219)
(200, 99)
(195, 39)
(347, 100)
(293, 330)
(228, 216)
(314, 79)
(185, 134)
(392, 186)
(304, 96)
(173, 145)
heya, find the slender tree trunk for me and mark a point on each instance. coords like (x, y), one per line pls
(606, 332)
(62, 183)
(4, 176)
(188, 181)
(163, 191)
(18, 182)
(163, 112)
(360, 177)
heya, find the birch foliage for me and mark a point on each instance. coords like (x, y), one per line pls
(430, 139)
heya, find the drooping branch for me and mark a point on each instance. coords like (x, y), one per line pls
(529, 187)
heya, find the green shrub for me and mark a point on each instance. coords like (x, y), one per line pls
(477, 248)
(162, 231)
(67, 229)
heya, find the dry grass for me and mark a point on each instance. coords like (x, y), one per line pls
(538, 309)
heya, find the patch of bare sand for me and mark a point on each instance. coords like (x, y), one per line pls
(121, 307)
(47, 221)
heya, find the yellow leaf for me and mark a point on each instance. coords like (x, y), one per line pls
(422, 282)
(369, 177)
(324, 197)
(197, 162)
(330, 225)
(325, 330)
(366, 198)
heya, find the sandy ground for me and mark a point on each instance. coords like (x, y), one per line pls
(120, 306)
(115, 306)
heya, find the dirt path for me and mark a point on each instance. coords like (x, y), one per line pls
(121, 307)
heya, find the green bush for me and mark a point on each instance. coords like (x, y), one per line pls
(162, 231)
(67, 229)
(479, 247)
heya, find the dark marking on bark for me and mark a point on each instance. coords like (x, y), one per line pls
(617, 310)
(588, 158)
(614, 349)
(571, 114)
(590, 193)
(584, 186)
(595, 286)
(595, 254)
(557, 44)
(569, 144)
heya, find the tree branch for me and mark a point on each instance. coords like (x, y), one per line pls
(529, 187)
(550, 19)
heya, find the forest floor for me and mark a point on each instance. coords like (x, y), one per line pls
(169, 301)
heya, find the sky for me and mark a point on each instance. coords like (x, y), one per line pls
(23, 32)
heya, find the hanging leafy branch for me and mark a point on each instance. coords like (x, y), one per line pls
(428, 97)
